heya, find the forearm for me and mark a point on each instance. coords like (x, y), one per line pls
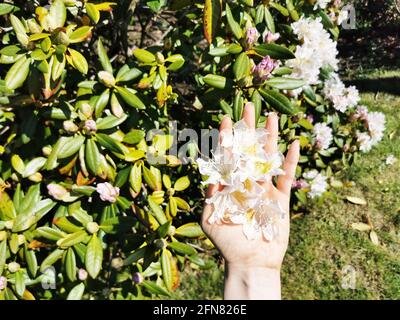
(244, 283)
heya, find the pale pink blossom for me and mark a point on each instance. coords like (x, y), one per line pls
(107, 192)
(265, 67)
(272, 37)
(56, 191)
(90, 126)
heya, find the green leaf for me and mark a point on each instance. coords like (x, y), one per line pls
(19, 30)
(101, 102)
(109, 143)
(162, 143)
(241, 67)
(190, 230)
(126, 74)
(104, 60)
(326, 21)
(278, 101)
(31, 261)
(144, 55)
(182, 183)
(76, 292)
(154, 288)
(49, 233)
(72, 239)
(18, 73)
(182, 248)
(70, 146)
(7, 208)
(135, 177)
(283, 83)
(257, 102)
(275, 51)
(235, 27)
(51, 259)
(110, 122)
(134, 136)
(163, 230)
(3, 255)
(217, 81)
(6, 8)
(17, 163)
(157, 212)
(211, 16)
(70, 264)
(92, 12)
(20, 282)
(78, 61)
(94, 257)
(238, 103)
(33, 166)
(11, 51)
(166, 268)
(130, 98)
(58, 67)
(92, 156)
(57, 14)
(80, 34)
(150, 179)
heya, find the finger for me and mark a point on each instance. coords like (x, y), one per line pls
(225, 128)
(249, 115)
(212, 189)
(272, 127)
(289, 166)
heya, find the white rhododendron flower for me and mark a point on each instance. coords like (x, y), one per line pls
(390, 160)
(317, 50)
(317, 183)
(107, 192)
(376, 126)
(239, 164)
(341, 97)
(263, 220)
(365, 141)
(375, 123)
(322, 135)
(321, 4)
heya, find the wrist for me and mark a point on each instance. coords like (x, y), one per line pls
(244, 282)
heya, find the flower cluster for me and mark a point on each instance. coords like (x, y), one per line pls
(375, 123)
(238, 165)
(317, 50)
(322, 134)
(316, 183)
(321, 4)
(341, 97)
(263, 70)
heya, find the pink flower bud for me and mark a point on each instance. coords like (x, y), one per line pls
(310, 118)
(265, 67)
(56, 191)
(300, 184)
(137, 278)
(90, 126)
(107, 192)
(271, 37)
(3, 283)
(251, 36)
(82, 274)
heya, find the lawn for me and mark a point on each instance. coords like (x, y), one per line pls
(325, 251)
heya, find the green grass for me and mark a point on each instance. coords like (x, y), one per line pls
(323, 242)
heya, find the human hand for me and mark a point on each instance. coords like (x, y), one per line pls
(253, 266)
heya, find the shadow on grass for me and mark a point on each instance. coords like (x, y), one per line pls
(389, 85)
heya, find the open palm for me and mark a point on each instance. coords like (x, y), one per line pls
(229, 238)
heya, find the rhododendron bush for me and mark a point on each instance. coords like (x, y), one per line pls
(95, 203)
